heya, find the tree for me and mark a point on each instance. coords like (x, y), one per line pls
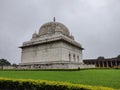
(100, 58)
(118, 56)
(4, 62)
(14, 65)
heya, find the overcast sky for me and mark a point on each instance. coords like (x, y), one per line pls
(94, 23)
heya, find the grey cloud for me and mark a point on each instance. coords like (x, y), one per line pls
(94, 23)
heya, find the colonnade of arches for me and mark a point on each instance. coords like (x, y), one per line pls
(103, 63)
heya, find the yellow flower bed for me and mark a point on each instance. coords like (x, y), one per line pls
(26, 84)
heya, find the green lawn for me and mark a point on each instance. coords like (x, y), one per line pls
(96, 77)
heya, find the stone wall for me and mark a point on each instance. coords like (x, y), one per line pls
(42, 53)
(7, 67)
(54, 51)
(58, 66)
(71, 53)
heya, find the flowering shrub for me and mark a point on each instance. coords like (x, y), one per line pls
(22, 84)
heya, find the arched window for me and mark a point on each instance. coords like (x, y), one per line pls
(69, 57)
(74, 57)
(78, 58)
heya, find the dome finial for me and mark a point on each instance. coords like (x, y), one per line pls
(34, 35)
(54, 19)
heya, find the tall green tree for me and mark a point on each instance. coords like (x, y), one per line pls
(118, 56)
(4, 62)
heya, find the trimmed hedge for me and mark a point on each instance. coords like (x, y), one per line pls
(22, 84)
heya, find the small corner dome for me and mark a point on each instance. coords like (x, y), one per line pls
(34, 35)
(52, 27)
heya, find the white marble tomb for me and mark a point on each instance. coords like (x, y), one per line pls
(53, 47)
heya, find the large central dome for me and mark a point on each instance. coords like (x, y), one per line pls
(53, 27)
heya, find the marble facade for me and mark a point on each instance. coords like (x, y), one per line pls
(52, 48)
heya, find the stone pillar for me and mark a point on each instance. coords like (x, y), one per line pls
(103, 64)
(98, 64)
(111, 64)
(95, 64)
(116, 63)
(107, 64)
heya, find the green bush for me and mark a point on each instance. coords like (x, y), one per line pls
(19, 84)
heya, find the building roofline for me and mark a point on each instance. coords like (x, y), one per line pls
(105, 59)
(49, 40)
